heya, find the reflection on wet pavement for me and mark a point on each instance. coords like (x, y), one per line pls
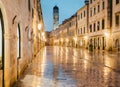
(71, 67)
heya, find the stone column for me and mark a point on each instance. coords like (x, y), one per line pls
(7, 60)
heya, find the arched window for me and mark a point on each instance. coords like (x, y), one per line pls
(1, 40)
(18, 42)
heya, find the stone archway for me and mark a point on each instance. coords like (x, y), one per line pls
(1, 47)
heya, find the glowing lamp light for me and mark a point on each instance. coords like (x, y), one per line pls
(106, 34)
(75, 38)
(43, 34)
(85, 37)
(67, 40)
(39, 26)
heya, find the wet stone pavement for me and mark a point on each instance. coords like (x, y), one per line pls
(72, 67)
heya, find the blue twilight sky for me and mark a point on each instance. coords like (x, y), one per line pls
(66, 9)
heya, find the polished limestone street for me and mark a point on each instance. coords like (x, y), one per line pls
(72, 67)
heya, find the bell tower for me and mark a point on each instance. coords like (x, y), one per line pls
(86, 2)
(55, 17)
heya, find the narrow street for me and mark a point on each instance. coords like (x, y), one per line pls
(72, 67)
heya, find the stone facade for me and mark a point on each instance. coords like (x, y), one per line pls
(18, 37)
(97, 24)
(82, 25)
(116, 26)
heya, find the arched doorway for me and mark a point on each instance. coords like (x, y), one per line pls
(2, 44)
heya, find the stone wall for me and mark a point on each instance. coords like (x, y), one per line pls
(17, 12)
(0, 78)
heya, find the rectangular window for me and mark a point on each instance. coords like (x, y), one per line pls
(84, 13)
(32, 13)
(78, 17)
(103, 24)
(91, 1)
(98, 25)
(81, 15)
(98, 8)
(90, 12)
(94, 27)
(117, 20)
(117, 1)
(29, 7)
(103, 5)
(84, 30)
(70, 24)
(91, 28)
(81, 30)
(94, 10)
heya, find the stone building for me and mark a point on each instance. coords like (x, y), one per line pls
(72, 28)
(100, 23)
(116, 25)
(18, 29)
(82, 27)
(65, 34)
(95, 25)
